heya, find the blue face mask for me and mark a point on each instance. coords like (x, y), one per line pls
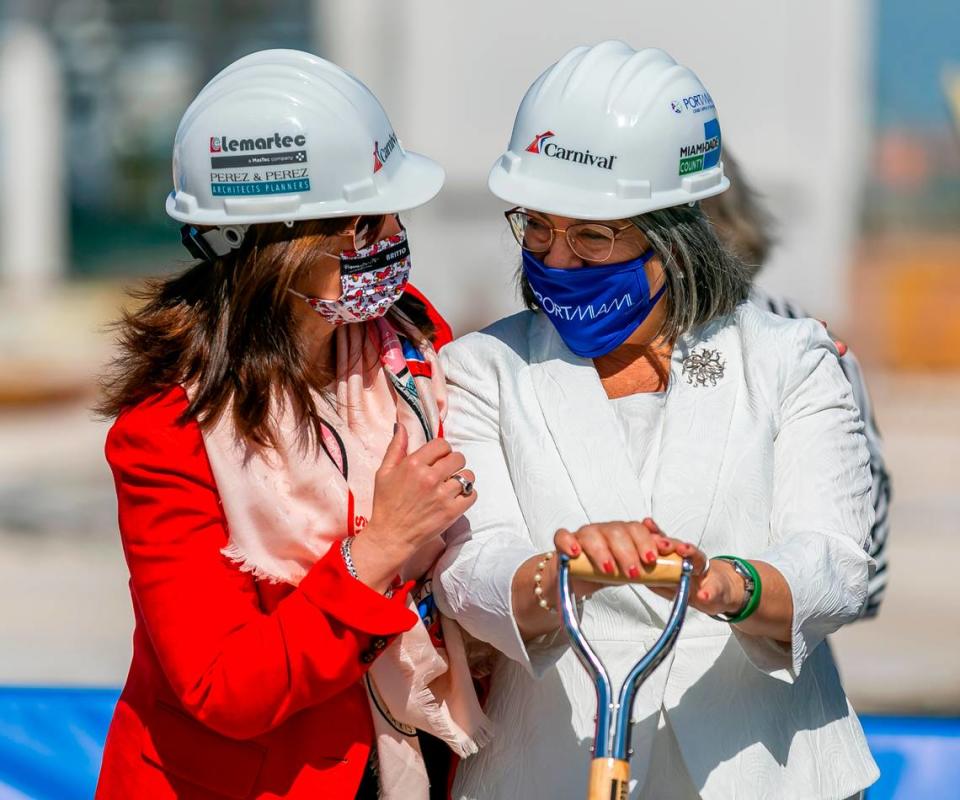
(594, 309)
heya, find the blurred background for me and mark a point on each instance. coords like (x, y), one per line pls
(846, 117)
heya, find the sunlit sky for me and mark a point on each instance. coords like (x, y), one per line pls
(915, 39)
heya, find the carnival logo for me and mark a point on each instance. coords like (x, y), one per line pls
(541, 146)
(381, 154)
(534, 146)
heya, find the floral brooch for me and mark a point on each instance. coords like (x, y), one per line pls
(703, 367)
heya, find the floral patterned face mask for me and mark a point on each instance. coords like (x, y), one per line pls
(371, 280)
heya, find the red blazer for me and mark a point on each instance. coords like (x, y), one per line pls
(238, 688)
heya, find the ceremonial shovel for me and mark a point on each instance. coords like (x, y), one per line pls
(610, 769)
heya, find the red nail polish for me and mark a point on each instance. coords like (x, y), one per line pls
(649, 556)
(608, 567)
(634, 572)
(575, 549)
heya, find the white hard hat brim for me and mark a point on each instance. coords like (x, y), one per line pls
(550, 198)
(415, 181)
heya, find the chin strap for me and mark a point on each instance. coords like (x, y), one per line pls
(214, 243)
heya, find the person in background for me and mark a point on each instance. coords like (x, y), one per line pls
(282, 482)
(745, 226)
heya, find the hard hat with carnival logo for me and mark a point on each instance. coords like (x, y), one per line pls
(609, 132)
(283, 135)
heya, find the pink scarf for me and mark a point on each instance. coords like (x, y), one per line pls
(286, 507)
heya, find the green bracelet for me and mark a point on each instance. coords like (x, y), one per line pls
(753, 601)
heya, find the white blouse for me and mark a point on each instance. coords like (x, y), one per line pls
(641, 422)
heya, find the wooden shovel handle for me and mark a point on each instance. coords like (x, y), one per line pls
(666, 571)
(609, 779)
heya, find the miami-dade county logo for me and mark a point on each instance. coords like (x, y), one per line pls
(541, 146)
(705, 154)
(381, 154)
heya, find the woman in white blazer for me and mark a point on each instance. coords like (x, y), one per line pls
(639, 387)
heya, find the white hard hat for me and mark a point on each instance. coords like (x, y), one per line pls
(282, 135)
(609, 132)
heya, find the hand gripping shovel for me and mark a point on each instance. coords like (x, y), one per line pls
(610, 769)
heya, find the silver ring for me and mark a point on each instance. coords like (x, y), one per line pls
(466, 487)
(706, 568)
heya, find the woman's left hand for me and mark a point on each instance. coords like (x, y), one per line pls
(718, 591)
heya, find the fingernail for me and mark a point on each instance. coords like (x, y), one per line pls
(634, 572)
(575, 549)
(608, 567)
(649, 556)
(705, 596)
(663, 544)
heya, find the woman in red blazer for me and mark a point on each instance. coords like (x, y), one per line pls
(259, 609)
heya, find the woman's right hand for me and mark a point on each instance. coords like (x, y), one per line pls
(415, 499)
(623, 547)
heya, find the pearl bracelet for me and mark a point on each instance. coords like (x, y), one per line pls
(538, 580)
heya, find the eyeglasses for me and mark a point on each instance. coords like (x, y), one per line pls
(591, 241)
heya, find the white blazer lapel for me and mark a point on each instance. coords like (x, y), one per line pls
(699, 406)
(583, 425)
(704, 383)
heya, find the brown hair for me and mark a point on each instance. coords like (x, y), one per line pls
(227, 327)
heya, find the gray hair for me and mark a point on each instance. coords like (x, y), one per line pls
(704, 279)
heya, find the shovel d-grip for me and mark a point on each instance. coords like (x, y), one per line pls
(610, 768)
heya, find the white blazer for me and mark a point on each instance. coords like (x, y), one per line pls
(768, 464)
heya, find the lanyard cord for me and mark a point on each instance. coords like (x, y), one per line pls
(408, 391)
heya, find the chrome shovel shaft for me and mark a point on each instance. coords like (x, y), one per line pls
(612, 736)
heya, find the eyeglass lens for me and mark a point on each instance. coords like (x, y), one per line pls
(590, 241)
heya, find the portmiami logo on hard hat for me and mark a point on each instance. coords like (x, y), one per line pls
(381, 154)
(705, 154)
(540, 146)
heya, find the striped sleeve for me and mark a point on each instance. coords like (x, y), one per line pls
(880, 490)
